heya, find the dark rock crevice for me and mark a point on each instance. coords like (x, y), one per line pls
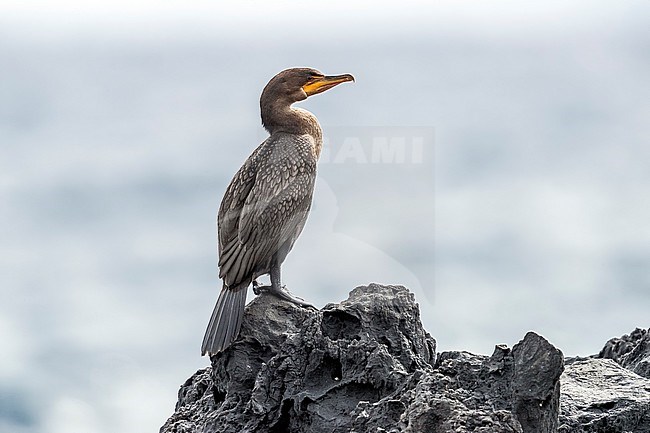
(367, 365)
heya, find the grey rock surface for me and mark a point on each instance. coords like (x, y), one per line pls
(367, 365)
(600, 396)
(609, 392)
(630, 351)
(536, 385)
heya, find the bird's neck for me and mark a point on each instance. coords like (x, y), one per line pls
(292, 120)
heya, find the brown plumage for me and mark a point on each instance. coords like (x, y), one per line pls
(265, 207)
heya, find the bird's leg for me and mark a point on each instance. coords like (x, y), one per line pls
(257, 289)
(281, 291)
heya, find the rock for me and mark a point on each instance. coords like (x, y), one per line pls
(600, 396)
(630, 351)
(609, 392)
(367, 365)
(536, 386)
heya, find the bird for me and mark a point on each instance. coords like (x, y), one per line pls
(266, 204)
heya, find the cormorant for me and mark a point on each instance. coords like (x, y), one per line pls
(265, 207)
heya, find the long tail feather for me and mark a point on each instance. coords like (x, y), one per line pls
(225, 320)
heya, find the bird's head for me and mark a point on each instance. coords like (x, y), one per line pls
(296, 84)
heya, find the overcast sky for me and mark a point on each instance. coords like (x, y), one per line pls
(520, 201)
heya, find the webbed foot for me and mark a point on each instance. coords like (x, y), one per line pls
(285, 294)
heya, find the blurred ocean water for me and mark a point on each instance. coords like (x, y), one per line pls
(495, 162)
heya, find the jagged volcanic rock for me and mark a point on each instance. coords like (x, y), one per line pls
(367, 365)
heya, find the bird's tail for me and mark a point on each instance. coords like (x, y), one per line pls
(225, 321)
